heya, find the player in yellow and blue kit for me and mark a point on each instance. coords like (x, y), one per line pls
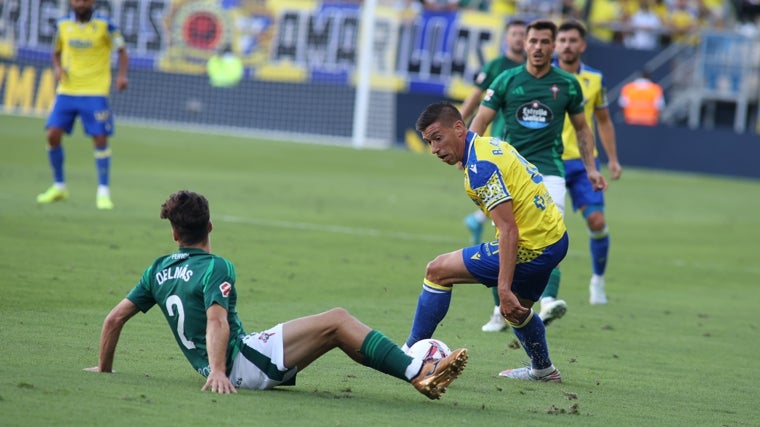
(82, 67)
(534, 99)
(531, 237)
(514, 55)
(571, 43)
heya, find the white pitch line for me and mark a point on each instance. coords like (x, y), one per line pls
(327, 228)
(576, 251)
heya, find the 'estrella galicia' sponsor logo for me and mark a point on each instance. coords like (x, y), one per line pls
(534, 115)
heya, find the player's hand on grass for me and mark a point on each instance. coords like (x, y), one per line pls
(218, 382)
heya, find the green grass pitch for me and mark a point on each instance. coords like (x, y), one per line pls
(311, 227)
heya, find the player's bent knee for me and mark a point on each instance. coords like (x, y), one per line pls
(54, 136)
(444, 270)
(339, 313)
(435, 269)
(331, 321)
(598, 228)
(596, 222)
(100, 140)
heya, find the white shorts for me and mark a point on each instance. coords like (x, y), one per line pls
(260, 363)
(556, 186)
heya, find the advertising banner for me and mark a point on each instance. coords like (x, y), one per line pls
(297, 41)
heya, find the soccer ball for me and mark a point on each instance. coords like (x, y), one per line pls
(429, 349)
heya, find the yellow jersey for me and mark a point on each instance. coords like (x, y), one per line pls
(594, 97)
(494, 173)
(85, 49)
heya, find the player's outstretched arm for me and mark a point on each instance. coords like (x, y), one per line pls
(58, 72)
(470, 105)
(482, 119)
(585, 139)
(607, 137)
(121, 74)
(504, 220)
(109, 336)
(217, 339)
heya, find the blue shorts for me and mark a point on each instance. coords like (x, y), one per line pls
(579, 187)
(93, 110)
(530, 278)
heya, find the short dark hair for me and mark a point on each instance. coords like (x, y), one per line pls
(543, 24)
(515, 23)
(573, 25)
(189, 214)
(444, 112)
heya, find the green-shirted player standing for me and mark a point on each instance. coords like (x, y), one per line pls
(195, 290)
(533, 100)
(514, 55)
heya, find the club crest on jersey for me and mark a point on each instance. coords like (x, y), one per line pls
(534, 115)
(492, 192)
(555, 90)
(225, 288)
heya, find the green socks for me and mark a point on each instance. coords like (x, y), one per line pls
(552, 288)
(382, 354)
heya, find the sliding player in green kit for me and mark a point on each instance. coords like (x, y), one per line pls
(196, 292)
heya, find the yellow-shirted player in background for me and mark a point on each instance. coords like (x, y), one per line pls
(82, 67)
(571, 43)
